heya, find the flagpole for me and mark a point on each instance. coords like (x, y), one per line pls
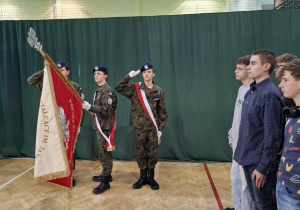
(32, 40)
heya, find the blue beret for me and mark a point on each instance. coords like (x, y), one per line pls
(61, 64)
(147, 66)
(100, 68)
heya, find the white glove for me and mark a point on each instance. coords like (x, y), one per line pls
(134, 73)
(159, 134)
(86, 105)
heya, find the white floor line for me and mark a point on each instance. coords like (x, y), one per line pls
(16, 177)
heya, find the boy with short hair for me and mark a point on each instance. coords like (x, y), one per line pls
(239, 191)
(104, 107)
(260, 131)
(148, 116)
(281, 60)
(288, 184)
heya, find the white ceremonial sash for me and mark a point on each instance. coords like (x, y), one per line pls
(145, 104)
(110, 140)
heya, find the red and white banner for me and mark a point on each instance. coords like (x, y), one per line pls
(57, 129)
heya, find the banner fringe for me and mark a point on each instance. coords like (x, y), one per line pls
(111, 148)
(51, 176)
(56, 187)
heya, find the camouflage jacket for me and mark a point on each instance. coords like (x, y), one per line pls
(105, 105)
(36, 80)
(156, 100)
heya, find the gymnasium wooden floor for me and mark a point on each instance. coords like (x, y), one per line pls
(182, 186)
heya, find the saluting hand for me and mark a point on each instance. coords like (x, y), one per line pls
(260, 179)
(134, 73)
(86, 105)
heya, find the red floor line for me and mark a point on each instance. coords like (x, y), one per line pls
(213, 187)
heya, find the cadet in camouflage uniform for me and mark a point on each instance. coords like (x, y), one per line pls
(146, 137)
(105, 104)
(36, 80)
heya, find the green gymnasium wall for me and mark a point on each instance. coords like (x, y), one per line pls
(194, 57)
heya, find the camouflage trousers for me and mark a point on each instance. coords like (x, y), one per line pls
(105, 157)
(146, 147)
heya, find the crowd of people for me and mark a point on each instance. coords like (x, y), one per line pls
(265, 132)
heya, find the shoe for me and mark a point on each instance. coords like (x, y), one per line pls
(151, 180)
(142, 180)
(103, 186)
(100, 178)
(229, 208)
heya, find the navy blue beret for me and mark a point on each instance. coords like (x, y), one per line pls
(147, 66)
(100, 68)
(61, 64)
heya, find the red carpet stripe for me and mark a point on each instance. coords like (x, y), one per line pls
(213, 187)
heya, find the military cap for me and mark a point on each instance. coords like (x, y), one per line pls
(100, 68)
(147, 66)
(61, 64)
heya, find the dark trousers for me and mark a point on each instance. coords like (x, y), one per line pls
(264, 198)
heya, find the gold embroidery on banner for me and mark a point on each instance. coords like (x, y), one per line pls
(46, 130)
(73, 117)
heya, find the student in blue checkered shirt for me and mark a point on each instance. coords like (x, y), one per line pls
(260, 131)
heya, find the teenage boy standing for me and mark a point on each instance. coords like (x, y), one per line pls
(288, 185)
(260, 130)
(148, 116)
(239, 190)
(104, 107)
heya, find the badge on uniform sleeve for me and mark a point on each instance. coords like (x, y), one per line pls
(155, 98)
(110, 94)
(109, 101)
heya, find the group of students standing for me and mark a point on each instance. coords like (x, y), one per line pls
(148, 115)
(265, 133)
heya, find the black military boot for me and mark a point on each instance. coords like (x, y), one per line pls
(104, 185)
(151, 180)
(143, 179)
(100, 178)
